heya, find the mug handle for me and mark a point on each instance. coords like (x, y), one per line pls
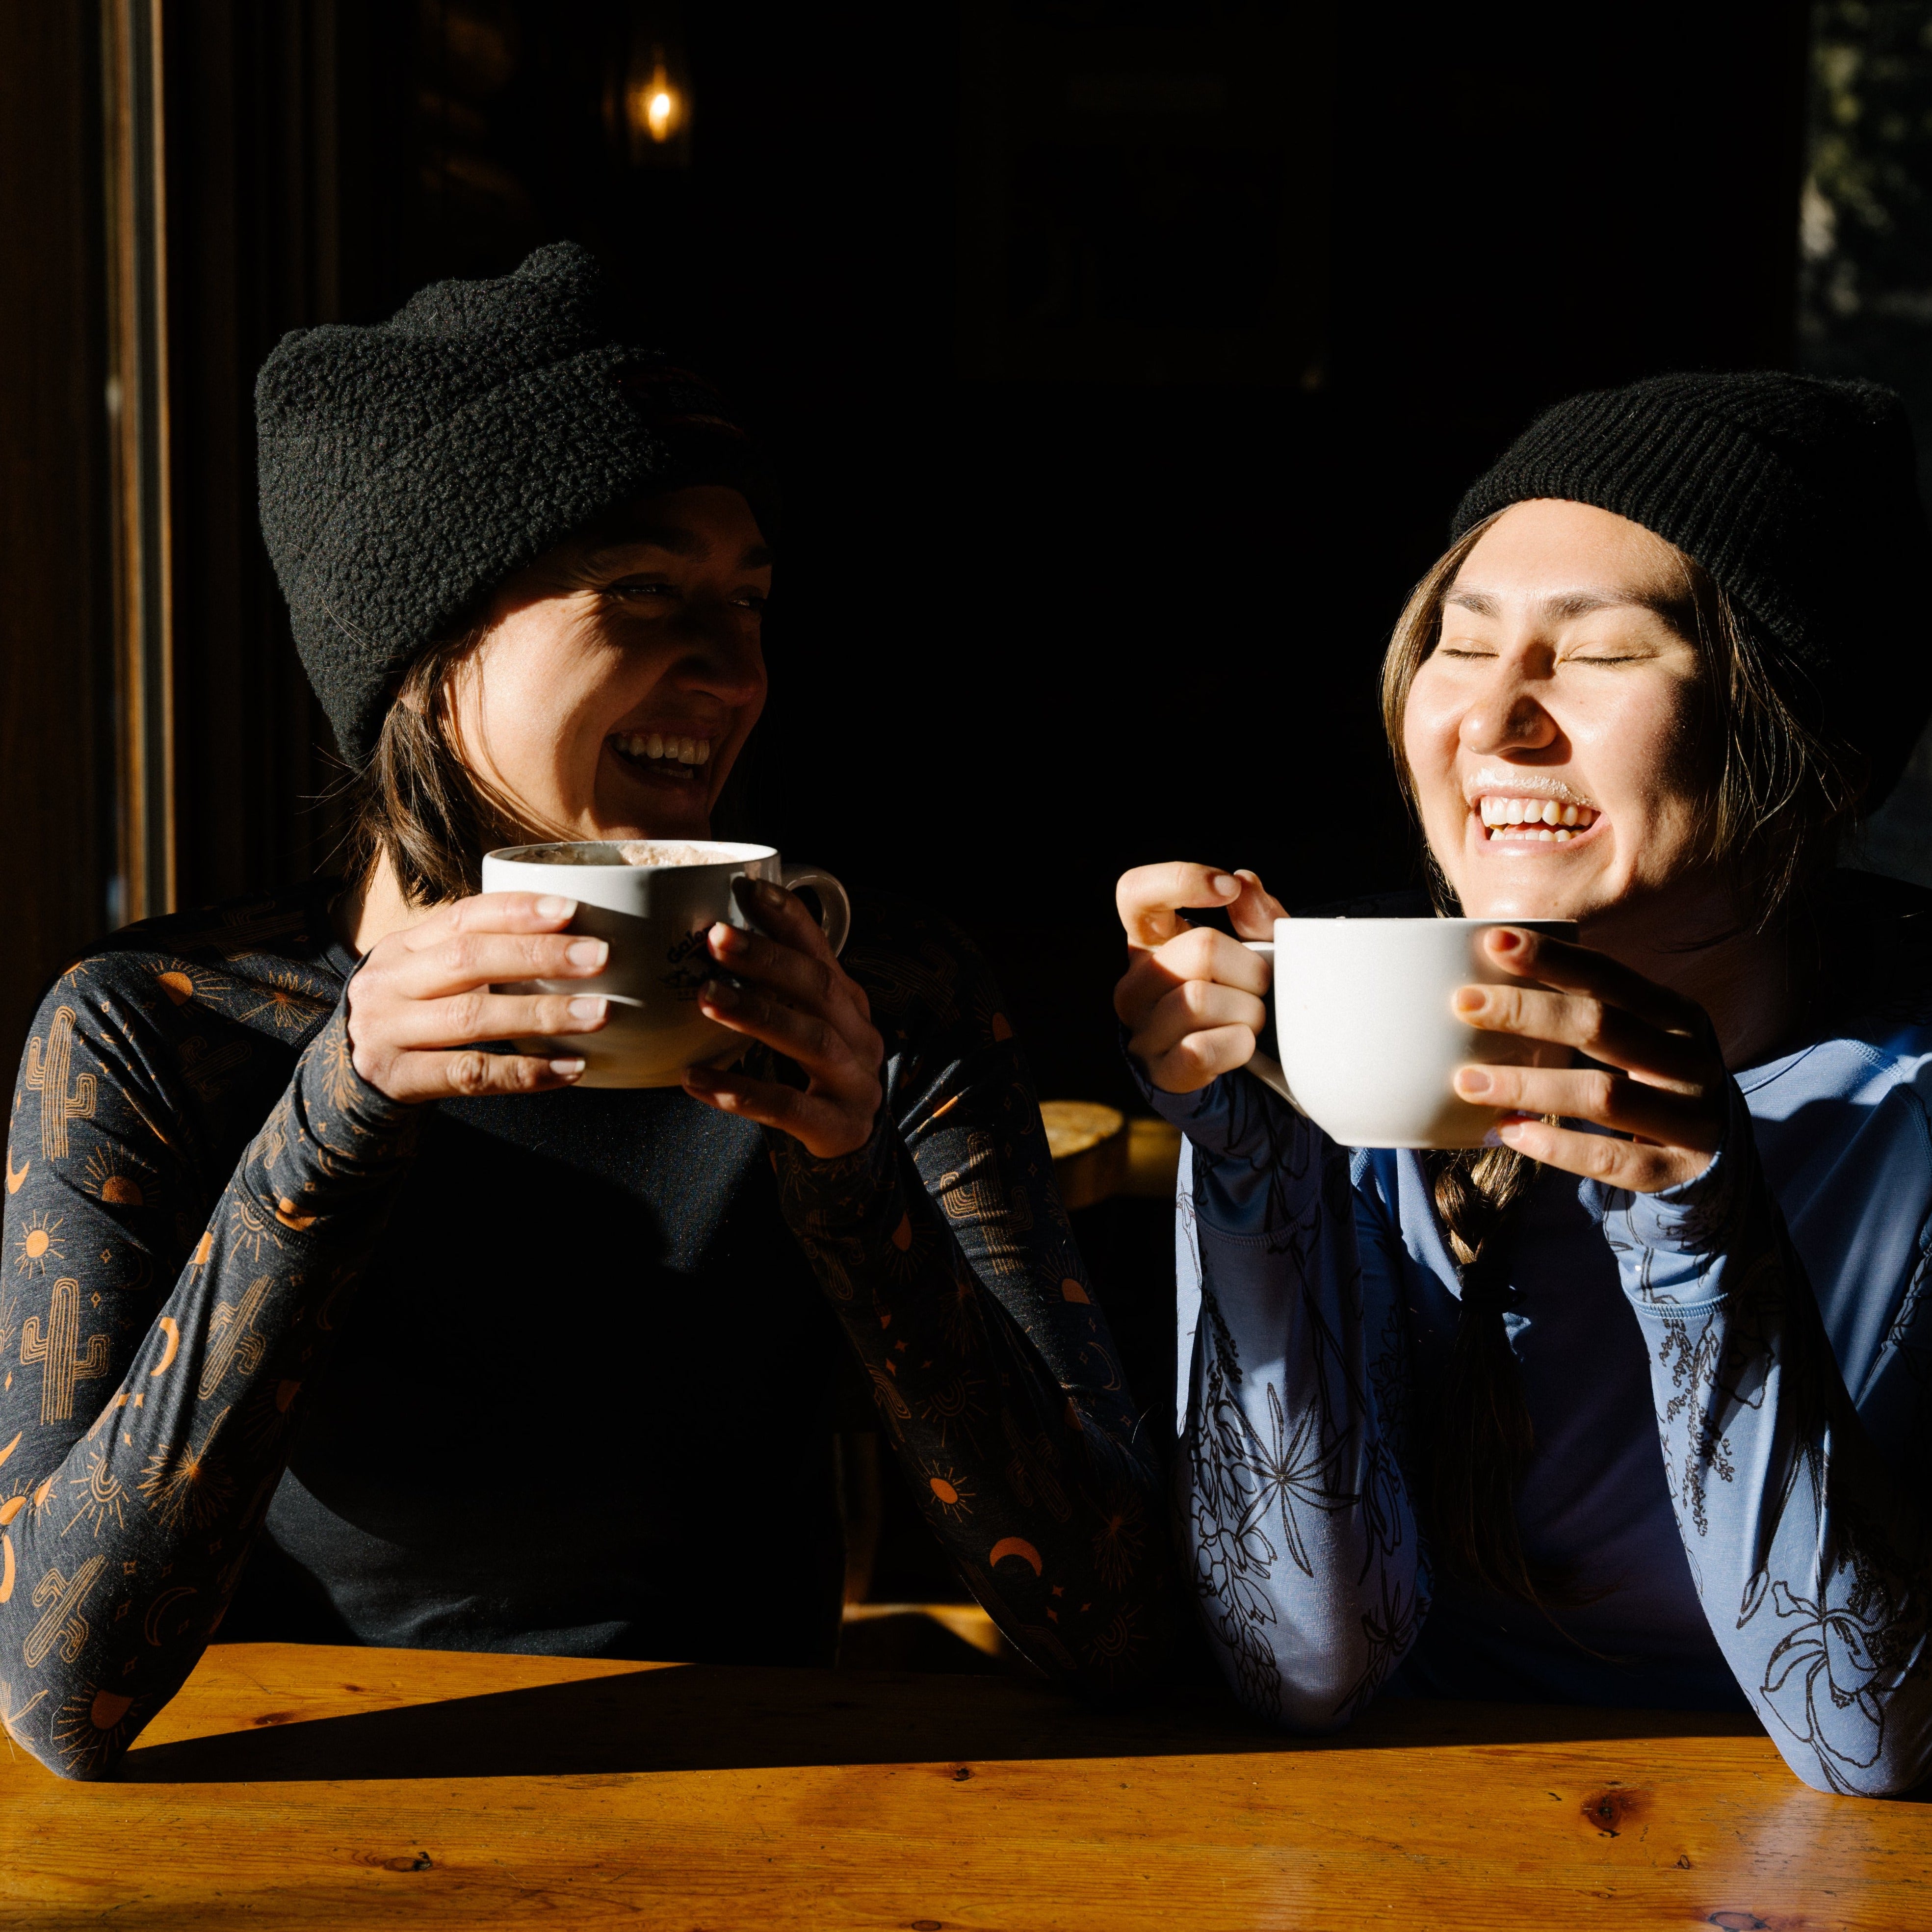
(835, 906)
(1264, 1067)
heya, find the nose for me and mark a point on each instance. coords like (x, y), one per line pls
(1507, 716)
(719, 659)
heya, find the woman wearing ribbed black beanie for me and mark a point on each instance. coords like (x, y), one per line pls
(320, 1322)
(1635, 1405)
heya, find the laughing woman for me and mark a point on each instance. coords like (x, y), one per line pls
(1635, 1406)
(321, 1322)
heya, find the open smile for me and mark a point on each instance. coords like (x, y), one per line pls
(666, 757)
(1510, 820)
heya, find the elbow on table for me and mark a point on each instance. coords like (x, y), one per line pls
(1891, 1774)
(88, 1765)
(1308, 1702)
(79, 1730)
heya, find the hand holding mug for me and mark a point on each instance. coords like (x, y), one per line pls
(421, 1006)
(794, 996)
(1661, 1080)
(1191, 997)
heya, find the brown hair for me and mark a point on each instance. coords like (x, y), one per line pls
(1780, 791)
(417, 802)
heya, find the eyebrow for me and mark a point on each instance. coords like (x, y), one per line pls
(1571, 603)
(680, 542)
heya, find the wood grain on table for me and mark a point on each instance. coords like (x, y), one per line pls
(293, 1785)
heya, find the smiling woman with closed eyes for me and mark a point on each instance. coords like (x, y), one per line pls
(326, 1318)
(1634, 1406)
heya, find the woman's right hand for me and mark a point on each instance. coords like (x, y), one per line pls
(420, 1006)
(1191, 997)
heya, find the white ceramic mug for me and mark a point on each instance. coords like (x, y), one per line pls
(1370, 1041)
(654, 900)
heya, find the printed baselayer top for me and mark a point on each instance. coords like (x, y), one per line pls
(548, 1373)
(1731, 1384)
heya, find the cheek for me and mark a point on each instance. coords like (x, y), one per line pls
(1646, 748)
(1431, 722)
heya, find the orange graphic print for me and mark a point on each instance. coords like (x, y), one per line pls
(55, 1348)
(61, 1599)
(46, 1074)
(232, 1342)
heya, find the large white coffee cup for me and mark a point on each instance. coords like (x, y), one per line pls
(1369, 1039)
(654, 900)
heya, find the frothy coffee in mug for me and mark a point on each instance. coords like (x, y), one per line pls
(665, 852)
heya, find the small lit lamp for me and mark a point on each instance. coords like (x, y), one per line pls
(657, 107)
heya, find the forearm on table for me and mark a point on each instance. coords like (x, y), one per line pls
(1040, 1480)
(120, 1560)
(1809, 1557)
(1298, 1518)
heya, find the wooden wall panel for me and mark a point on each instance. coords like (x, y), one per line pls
(56, 794)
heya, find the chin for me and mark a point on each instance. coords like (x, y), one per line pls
(630, 804)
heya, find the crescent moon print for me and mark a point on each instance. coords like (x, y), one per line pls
(171, 1329)
(1015, 1546)
(151, 1625)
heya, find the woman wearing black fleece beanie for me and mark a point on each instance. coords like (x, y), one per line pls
(405, 1342)
(1633, 1405)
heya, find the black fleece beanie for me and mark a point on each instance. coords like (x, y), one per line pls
(408, 468)
(1800, 496)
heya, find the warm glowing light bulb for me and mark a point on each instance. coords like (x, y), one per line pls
(656, 109)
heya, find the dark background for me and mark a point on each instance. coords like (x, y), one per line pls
(1124, 362)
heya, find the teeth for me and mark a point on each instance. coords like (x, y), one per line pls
(1536, 817)
(655, 745)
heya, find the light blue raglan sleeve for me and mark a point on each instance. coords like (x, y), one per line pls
(1810, 1559)
(1297, 1516)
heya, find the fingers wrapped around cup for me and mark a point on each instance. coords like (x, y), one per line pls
(1653, 1084)
(779, 984)
(426, 1001)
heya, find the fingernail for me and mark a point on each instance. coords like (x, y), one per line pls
(586, 1008)
(1469, 999)
(587, 952)
(1493, 1139)
(1504, 940)
(726, 938)
(1226, 885)
(568, 1069)
(550, 907)
(1473, 1081)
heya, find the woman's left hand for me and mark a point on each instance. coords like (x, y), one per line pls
(1661, 1081)
(794, 997)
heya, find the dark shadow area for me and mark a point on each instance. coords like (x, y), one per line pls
(716, 1717)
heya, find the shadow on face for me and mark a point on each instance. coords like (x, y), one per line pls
(619, 675)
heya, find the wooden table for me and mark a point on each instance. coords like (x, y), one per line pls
(352, 1788)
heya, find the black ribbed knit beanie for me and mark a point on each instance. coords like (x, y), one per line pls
(408, 468)
(1799, 496)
